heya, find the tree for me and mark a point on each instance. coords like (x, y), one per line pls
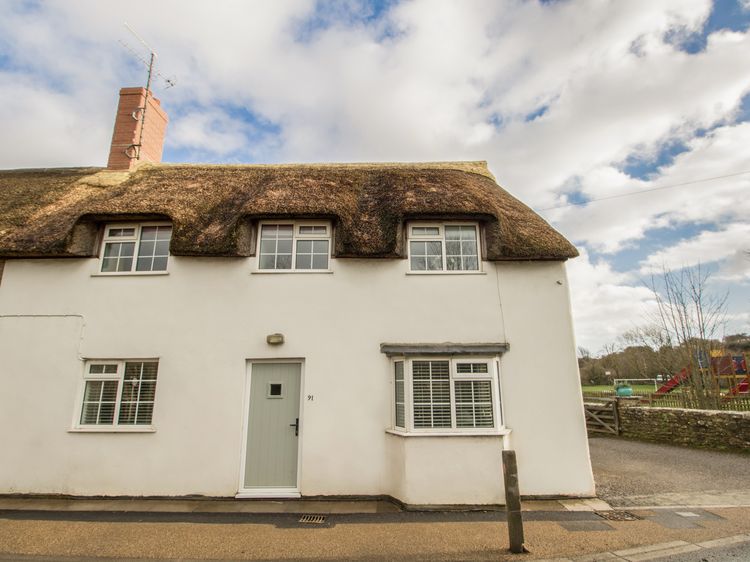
(688, 319)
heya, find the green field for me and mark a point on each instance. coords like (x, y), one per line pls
(637, 388)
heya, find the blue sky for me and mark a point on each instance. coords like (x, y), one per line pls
(571, 104)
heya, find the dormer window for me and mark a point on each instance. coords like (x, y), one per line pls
(443, 247)
(135, 247)
(294, 246)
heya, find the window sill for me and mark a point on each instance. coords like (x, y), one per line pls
(129, 273)
(110, 429)
(493, 433)
(283, 271)
(446, 273)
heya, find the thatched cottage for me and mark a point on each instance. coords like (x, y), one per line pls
(281, 330)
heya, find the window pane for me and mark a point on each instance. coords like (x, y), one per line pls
(111, 249)
(320, 247)
(461, 248)
(139, 390)
(121, 232)
(313, 230)
(433, 248)
(452, 232)
(431, 393)
(93, 391)
(434, 263)
(474, 402)
(284, 247)
(90, 413)
(452, 248)
(400, 410)
(148, 233)
(267, 246)
(146, 248)
(109, 265)
(471, 264)
(267, 261)
(425, 231)
(304, 246)
(164, 233)
(162, 248)
(153, 251)
(160, 263)
(145, 413)
(418, 263)
(320, 261)
(99, 402)
(125, 264)
(107, 413)
(126, 249)
(304, 261)
(284, 261)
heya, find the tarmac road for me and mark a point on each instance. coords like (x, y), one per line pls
(638, 474)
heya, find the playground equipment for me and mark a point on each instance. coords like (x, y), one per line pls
(728, 371)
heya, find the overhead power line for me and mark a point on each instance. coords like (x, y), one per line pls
(582, 203)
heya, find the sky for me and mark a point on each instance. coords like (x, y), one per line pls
(625, 124)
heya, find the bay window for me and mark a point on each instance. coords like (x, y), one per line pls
(452, 395)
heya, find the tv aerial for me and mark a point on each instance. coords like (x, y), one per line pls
(150, 63)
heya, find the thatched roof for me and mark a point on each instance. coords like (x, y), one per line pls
(56, 212)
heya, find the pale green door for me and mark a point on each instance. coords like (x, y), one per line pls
(273, 426)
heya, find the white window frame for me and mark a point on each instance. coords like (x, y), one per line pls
(493, 376)
(296, 236)
(411, 236)
(136, 239)
(119, 377)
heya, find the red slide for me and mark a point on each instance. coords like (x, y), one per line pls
(674, 382)
(741, 388)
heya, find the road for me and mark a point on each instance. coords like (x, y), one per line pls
(638, 474)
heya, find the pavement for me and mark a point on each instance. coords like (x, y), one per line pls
(630, 521)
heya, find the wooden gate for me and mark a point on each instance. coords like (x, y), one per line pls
(602, 416)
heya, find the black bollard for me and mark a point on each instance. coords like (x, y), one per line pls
(513, 502)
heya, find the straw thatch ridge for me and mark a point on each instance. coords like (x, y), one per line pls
(57, 212)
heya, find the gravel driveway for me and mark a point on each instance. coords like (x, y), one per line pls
(634, 473)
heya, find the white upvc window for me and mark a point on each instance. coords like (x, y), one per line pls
(135, 248)
(446, 395)
(117, 394)
(294, 246)
(450, 247)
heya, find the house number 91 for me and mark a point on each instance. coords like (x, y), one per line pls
(310, 397)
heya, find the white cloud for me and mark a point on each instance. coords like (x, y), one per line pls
(613, 224)
(213, 131)
(707, 247)
(605, 303)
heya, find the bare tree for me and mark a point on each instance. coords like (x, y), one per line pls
(691, 319)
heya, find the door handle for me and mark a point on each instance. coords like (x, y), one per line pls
(295, 425)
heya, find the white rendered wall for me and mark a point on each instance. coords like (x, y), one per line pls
(209, 316)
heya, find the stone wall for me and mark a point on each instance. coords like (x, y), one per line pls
(729, 431)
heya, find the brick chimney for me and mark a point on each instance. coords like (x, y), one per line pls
(125, 151)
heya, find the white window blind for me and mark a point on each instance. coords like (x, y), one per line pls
(120, 393)
(431, 394)
(400, 411)
(453, 395)
(473, 403)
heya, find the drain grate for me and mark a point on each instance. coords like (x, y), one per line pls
(615, 515)
(313, 519)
